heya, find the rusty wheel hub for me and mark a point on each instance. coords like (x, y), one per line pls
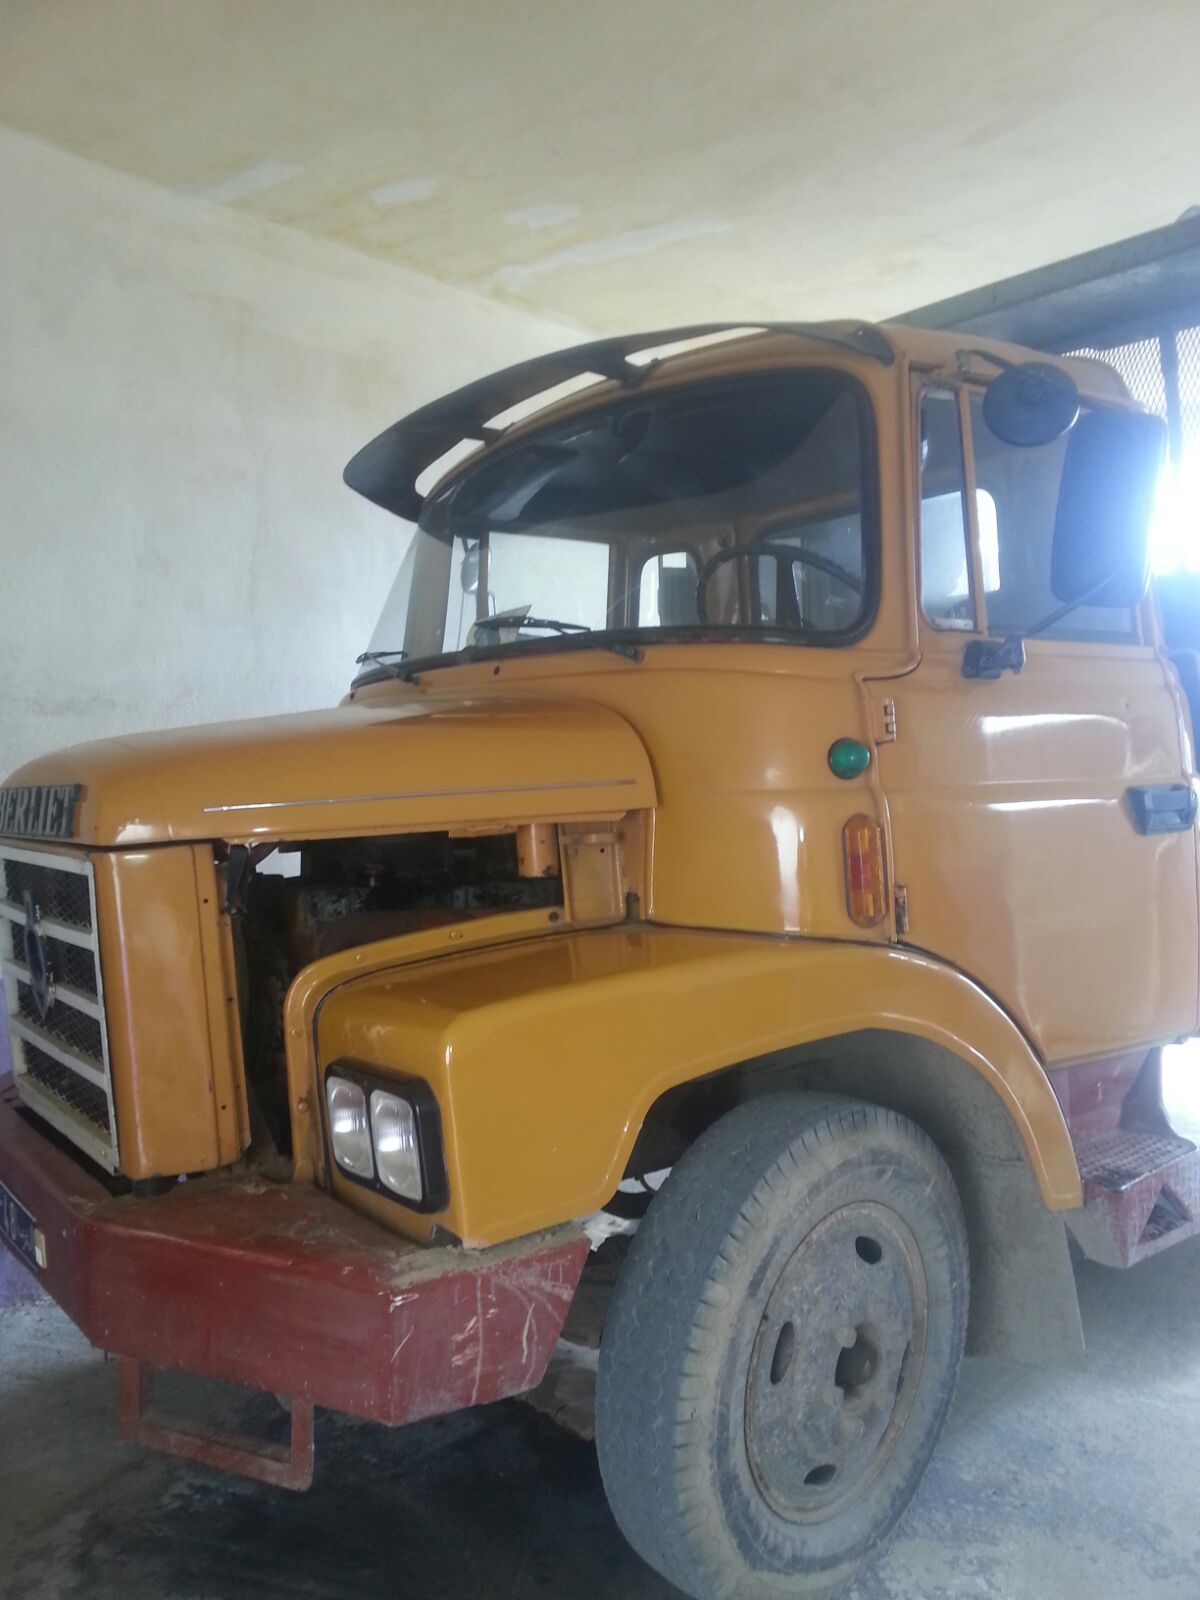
(837, 1361)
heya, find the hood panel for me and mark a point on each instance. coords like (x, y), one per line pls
(429, 762)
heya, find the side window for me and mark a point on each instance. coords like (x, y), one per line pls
(667, 590)
(1021, 482)
(945, 555)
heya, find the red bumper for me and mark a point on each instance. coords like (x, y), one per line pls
(283, 1288)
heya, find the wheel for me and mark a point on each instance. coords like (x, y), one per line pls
(781, 1348)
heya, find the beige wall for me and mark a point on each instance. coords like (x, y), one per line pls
(180, 387)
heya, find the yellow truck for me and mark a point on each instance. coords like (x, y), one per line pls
(731, 924)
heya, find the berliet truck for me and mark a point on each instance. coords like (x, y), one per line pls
(724, 942)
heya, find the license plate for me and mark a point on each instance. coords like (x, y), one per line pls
(20, 1232)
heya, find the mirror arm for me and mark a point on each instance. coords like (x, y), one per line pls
(988, 658)
(1071, 605)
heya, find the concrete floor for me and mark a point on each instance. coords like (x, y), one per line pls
(1047, 1486)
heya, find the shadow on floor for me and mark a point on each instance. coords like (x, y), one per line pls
(1047, 1486)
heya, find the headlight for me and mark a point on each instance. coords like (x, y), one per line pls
(397, 1156)
(386, 1133)
(349, 1132)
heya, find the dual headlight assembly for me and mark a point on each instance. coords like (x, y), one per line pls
(385, 1133)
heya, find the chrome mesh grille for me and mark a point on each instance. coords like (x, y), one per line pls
(54, 995)
(65, 1087)
(61, 896)
(71, 964)
(69, 1027)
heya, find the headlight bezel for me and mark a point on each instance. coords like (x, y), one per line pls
(435, 1188)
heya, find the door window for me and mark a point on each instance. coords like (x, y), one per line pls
(946, 585)
(945, 551)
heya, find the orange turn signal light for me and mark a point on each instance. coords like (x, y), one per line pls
(866, 886)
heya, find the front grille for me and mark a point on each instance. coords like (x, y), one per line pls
(69, 1027)
(67, 1088)
(54, 995)
(73, 966)
(60, 896)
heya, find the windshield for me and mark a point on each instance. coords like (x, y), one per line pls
(729, 508)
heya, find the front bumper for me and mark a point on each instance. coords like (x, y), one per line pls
(280, 1287)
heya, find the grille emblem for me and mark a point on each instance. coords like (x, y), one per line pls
(37, 959)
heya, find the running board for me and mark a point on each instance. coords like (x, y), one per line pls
(1140, 1177)
(283, 1466)
(1141, 1193)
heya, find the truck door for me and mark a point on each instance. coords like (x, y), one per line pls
(1028, 847)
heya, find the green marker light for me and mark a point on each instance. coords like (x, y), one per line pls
(848, 758)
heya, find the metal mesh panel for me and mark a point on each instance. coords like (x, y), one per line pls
(51, 962)
(1140, 366)
(72, 1092)
(1187, 345)
(61, 896)
(72, 966)
(70, 1027)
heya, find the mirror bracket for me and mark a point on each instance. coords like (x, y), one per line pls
(988, 658)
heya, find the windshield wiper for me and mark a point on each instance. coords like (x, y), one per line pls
(389, 660)
(502, 621)
(569, 630)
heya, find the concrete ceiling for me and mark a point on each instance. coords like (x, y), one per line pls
(633, 163)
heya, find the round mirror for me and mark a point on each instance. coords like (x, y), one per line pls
(1034, 403)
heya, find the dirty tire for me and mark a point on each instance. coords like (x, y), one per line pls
(781, 1348)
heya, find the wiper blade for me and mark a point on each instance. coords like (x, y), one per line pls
(570, 630)
(502, 621)
(389, 660)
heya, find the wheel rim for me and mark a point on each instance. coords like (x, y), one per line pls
(836, 1362)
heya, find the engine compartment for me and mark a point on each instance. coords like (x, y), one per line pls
(293, 906)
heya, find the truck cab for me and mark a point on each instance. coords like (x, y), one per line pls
(732, 923)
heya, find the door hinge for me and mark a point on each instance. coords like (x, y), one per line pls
(900, 895)
(885, 722)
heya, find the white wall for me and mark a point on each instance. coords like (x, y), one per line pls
(180, 387)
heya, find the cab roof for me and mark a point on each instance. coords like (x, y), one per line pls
(388, 470)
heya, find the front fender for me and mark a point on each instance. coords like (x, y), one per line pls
(547, 1054)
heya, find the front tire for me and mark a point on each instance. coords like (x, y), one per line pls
(781, 1348)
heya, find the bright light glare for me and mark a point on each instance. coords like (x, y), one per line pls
(1175, 524)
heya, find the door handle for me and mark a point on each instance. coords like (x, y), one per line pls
(1162, 807)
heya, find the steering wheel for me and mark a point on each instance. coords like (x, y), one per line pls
(777, 553)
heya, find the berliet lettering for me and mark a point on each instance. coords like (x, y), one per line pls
(43, 811)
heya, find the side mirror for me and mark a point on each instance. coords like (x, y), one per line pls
(1034, 403)
(1101, 549)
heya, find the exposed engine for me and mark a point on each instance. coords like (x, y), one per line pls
(350, 892)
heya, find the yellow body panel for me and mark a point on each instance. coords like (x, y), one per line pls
(428, 761)
(546, 1055)
(1040, 927)
(171, 1006)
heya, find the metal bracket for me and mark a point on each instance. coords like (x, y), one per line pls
(283, 1466)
